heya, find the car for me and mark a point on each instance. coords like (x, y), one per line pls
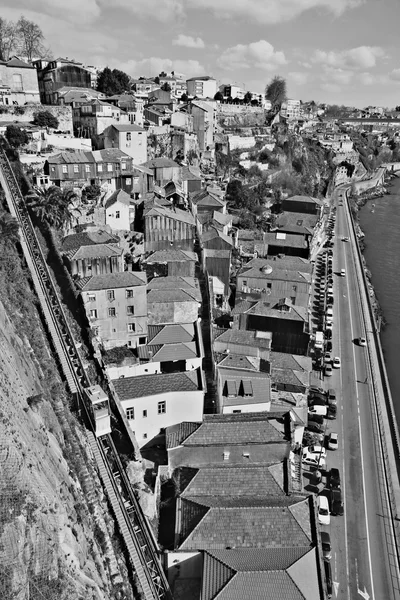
(328, 578)
(343, 272)
(328, 346)
(329, 289)
(315, 419)
(328, 370)
(332, 396)
(327, 357)
(321, 395)
(314, 427)
(333, 441)
(316, 449)
(336, 362)
(321, 401)
(331, 411)
(336, 502)
(328, 327)
(329, 300)
(345, 239)
(314, 460)
(324, 516)
(362, 341)
(334, 478)
(326, 545)
(315, 389)
(328, 332)
(317, 409)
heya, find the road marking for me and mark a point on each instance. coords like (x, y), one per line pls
(351, 326)
(362, 593)
(335, 587)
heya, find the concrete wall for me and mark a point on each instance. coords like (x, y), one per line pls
(63, 114)
(173, 312)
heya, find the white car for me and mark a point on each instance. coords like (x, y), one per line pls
(314, 460)
(343, 272)
(345, 239)
(362, 341)
(324, 516)
(315, 449)
(333, 441)
(317, 409)
(336, 363)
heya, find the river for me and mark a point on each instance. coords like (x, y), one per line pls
(382, 254)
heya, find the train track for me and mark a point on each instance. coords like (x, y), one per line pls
(139, 539)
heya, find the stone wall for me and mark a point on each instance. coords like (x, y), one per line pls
(63, 114)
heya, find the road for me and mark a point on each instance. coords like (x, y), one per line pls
(360, 561)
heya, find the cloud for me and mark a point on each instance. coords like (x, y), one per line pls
(160, 10)
(148, 67)
(363, 57)
(395, 75)
(298, 77)
(188, 41)
(74, 11)
(260, 55)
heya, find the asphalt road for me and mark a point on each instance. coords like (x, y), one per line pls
(359, 550)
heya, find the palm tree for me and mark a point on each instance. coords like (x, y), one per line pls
(52, 205)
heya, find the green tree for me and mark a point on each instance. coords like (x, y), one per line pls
(53, 206)
(218, 96)
(44, 118)
(16, 136)
(275, 92)
(184, 97)
(248, 97)
(8, 38)
(166, 87)
(91, 192)
(112, 82)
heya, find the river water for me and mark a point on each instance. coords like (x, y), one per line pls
(381, 225)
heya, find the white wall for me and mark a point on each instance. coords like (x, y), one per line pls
(149, 368)
(180, 406)
(121, 223)
(247, 408)
(237, 141)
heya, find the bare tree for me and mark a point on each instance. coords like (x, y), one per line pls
(30, 38)
(8, 38)
(275, 92)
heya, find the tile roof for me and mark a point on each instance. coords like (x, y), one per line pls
(109, 281)
(170, 334)
(171, 255)
(188, 174)
(189, 284)
(208, 253)
(295, 312)
(223, 219)
(277, 269)
(179, 432)
(239, 431)
(17, 62)
(305, 199)
(201, 78)
(128, 127)
(206, 198)
(176, 214)
(160, 163)
(277, 238)
(213, 233)
(163, 296)
(95, 251)
(129, 388)
(118, 196)
(169, 352)
(244, 387)
(71, 158)
(282, 360)
(296, 222)
(258, 586)
(242, 337)
(240, 361)
(110, 154)
(88, 238)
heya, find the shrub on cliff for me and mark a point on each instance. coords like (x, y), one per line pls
(45, 118)
(16, 136)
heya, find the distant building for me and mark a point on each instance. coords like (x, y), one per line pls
(244, 384)
(95, 116)
(232, 91)
(92, 253)
(204, 122)
(290, 109)
(172, 306)
(164, 170)
(302, 204)
(116, 307)
(201, 87)
(168, 226)
(119, 211)
(18, 82)
(129, 138)
(142, 87)
(55, 74)
(171, 263)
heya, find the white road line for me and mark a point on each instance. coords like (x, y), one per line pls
(351, 325)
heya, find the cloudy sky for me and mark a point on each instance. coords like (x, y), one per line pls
(336, 51)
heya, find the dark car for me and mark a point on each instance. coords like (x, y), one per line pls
(328, 346)
(336, 502)
(315, 427)
(317, 401)
(317, 395)
(316, 419)
(334, 478)
(328, 577)
(332, 411)
(328, 334)
(315, 388)
(326, 545)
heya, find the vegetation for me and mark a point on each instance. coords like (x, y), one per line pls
(16, 136)
(275, 92)
(218, 96)
(112, 82)
(166, 87)
(52, 205)
(44, 118)
(24, 38)
(91, 193)
(9, 231)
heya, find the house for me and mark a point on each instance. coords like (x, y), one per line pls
(164, 170)
(92, 253)
(131, 104)
(169, 349)
(288, 323)
(215, 239)
(216, 220)
(244, 384)
(74, 96)
(154, 402)
(302, 204)
(290, 109)
(177, 282)
(201, 87)
(93, 117)
(232, 91)
(58, 73)
(217, 263)
(120, 211)
(171, 262)
(207, 201)
(129, 138)
(290, 373)
(143, 87)
(204, 123)
(116, 307)
(172, 306)
(275, 278)
(297, 224)
(279, 242)
(240, 341)
(168, 226)
(18, 82)
(191, 179)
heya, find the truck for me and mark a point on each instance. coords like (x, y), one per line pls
(319, 340)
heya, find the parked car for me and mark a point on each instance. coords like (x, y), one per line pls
(318, 401)
(315, 427)
(326, 545)
(316, 389)
(314, 460)
(331, 411)
(343, 272)
(345, 239)
(333, 441)
(328, 346)
(316, 449)
(362, 341)
(336, 362)
(336, 502)
(328, 370)
(328, 333)
(334, 478)
(328, 578)
(318, 410)
(324, 516)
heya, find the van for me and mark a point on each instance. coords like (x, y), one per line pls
(318, 410)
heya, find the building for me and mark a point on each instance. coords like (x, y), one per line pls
(240, 341)
(290, 373)
(302, 204)
(215, 239)
(55, 74)
(116, 307)
(142, 87)
(171, 262)
(154, 402)
(280, 242)
(92, 253)
(201, 87)
(168, 226)
(232, 91)
(217, 264)
(176, 282)
(18, 83)
(164, 170)
(172, 306)
(244, 384)
(131, 104)
(204, 123)
(208, 201)
(95, 116)
(191, 180)
(129, 138)
(74, 96)
(119, 211)
(290, 109)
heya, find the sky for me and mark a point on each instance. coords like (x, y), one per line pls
(333, 51)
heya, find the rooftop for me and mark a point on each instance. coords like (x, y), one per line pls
(168, 352)
(240, 386)
(300, 223)
(88, 238)
(159, 163)
(189, 284)
(127, 127)
(176, 214)
(305, 199)
(171, 255)
(109, 281)
(165, 296)
(118, 196)
(283, 309)
(129, 388)
(170, 333)
(94, 251)
(260, 339)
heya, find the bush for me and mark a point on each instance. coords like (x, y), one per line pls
(19, 110)
(16, 136)
(45, 118)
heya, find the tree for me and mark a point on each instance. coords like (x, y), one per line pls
(16, 136)
(275, 92)
(166, 87)
(30, 38)
(112, 82)
(184, 97)
(218, 96)
(44, 118)
(52, 205)
(91, 193)
(8, 38)
(248, 97)
(9, 231)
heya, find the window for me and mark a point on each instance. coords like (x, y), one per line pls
(144, 413)
(130, 310)
(91, 297)
(117, 214)
(76, 168)
(235, 412)
(245, 282)
(112, 312)
(129, 293)
(293, 299)
(131, 327)
(128, 144)
(142, 340)
(123, 166)
(294, 288)
(128, 137)
(130, 414)
(269, 285)
(109, 181)
(128, 181)
(87, 168)
(162, 407)
(17, 82)
(110, 295)
(109, 167)
(53, 169)
(64, 169)
(93, 313)
(95, 331)
(99, 168)
(145, 436)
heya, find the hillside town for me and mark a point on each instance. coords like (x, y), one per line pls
(194, 227)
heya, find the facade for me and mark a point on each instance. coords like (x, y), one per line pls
(55, 74)
(92, 118)
(142, 87)
(290, 109)
(116, 307)
(154, 402)
(172, 306)
(204, 122)
(170, 262)
(74, 96)
(164, 170)
(92, 253)
(18, 82)
(217, 263)
(165, 226)
(207, 201)
(302, 204)
(129, 138)
(131, 104)
(232, 91)
(119, 211)
(201, 87)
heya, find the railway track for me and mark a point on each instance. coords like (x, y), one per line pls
(136, 532)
